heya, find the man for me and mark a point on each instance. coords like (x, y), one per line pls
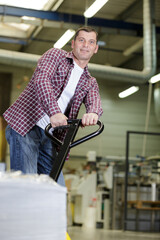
(59, 85)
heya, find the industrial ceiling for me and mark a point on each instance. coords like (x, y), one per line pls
(127, 48)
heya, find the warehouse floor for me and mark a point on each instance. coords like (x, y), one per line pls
(77, 233)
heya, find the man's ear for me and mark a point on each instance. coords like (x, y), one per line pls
(96, 49)
(72, 44)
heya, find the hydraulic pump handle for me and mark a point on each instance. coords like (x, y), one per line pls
(74, 122)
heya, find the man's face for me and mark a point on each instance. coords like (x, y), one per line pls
(85, 45)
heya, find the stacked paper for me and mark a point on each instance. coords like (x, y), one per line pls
(32, 207)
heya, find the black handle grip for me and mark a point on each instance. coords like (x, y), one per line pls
(48, 134)
(89, 136)
(76, 122)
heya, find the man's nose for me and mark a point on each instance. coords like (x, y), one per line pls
(85, 44)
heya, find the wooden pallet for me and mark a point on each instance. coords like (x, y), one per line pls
(145, 205)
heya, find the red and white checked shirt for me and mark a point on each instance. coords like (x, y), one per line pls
(45, 87)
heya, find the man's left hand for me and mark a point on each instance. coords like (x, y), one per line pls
(89, 119)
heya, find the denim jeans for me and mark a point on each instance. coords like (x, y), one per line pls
(33, 153)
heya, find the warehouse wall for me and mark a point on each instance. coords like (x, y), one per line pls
(120, 115)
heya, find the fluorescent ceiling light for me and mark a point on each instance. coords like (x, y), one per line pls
(28, 18)
(65, 38)
(33, 4)
(128, 92)
(155, 78)
(101, 43)
(94, 8)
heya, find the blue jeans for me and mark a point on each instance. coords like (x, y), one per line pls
(33, 153)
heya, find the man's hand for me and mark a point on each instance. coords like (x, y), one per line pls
(89, 119)
(58, 119)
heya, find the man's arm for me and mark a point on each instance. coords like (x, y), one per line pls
(93, 106)
(43, 82)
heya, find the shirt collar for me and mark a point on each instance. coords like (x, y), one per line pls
(86, 72)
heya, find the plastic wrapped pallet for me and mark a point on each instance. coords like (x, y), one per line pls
(32, 207)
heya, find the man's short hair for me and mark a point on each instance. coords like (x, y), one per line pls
(86, 29)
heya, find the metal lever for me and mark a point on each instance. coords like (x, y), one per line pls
(77, 142)
(89, 136)
(68, 143)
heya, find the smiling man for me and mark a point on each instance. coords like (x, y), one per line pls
(60, 83)
(84, 46)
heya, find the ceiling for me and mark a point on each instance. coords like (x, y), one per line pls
(119, 24)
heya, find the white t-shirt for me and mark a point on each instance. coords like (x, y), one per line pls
(66, 96)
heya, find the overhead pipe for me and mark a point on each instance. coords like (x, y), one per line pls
(107, 72)
(18, 59)
(149, 54)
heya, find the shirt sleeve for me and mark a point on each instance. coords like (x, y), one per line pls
(92, 100)
(43, 85)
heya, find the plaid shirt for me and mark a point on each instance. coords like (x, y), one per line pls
(45, 87)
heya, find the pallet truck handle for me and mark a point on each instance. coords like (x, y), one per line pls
(89, 136)
(73, 122)
(68, 143)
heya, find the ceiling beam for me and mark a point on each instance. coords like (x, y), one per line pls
(130, 10)
(68, 18)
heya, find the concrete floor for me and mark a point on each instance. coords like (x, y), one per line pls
(78, 233)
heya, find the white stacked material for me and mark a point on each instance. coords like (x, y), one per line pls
(32, 207)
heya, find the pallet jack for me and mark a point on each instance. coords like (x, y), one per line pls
(65, 146)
